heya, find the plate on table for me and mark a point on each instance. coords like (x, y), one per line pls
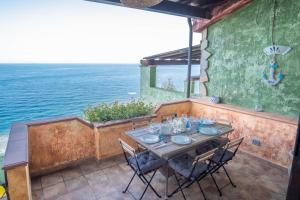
(149, 139)
(207, 122)
(208, 131)
(181, 139)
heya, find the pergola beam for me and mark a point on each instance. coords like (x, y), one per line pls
(169, 7)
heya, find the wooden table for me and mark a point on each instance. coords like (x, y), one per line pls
(169, 149)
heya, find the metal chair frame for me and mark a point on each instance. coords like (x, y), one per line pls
(235, 144)
(128, 149)
(206, 157)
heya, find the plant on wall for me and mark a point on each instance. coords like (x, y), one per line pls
(116, 111)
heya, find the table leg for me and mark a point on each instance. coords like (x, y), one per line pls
(167, 184)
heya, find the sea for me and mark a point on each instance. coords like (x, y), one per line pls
(39, 91)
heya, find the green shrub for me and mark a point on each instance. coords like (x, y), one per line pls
(117, 111)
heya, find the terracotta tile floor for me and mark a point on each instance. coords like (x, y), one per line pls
(255, 178)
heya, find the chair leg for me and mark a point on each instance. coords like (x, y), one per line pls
(145, 181)
(213, 178)
(180, 186)
(228, 176)
(130, 182)
(148, 183)
(201, 190)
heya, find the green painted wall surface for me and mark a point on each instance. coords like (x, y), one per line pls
(152, 94)
(237, 61)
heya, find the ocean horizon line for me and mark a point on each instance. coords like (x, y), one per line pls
(69, 63)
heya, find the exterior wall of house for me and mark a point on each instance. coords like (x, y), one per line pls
(237, 62)
(150, 93)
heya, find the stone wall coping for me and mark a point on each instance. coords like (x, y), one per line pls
(266, 115)
(16, 153)
(170, 103)
(58, 119)
(123, 121)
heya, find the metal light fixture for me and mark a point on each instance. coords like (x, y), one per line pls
(140, 3)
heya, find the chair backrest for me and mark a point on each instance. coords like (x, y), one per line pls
(166, 116)
(223, 121)
(127, 148)
(234, 145)
(130, 150)
(203, 158)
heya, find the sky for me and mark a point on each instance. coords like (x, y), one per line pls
(78, 31)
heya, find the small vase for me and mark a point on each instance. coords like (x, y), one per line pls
(214, 99)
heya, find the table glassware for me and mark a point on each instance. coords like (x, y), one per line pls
(155, 128)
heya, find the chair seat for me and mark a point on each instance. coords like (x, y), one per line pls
(183, 165)
(147, 162)
(211, 144)
(228, 155)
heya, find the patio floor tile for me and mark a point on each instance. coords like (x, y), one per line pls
(51, 179)
(84, 193)
(89, 167)
(36, 184)
(255, 179)
(54, 191)
(71, 173)
(76, 183)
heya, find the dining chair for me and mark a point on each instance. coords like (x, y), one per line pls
(222, 158)
(226, 123)
(211, 144)
(142, 163)
(217, 142)
(193, 170)
(140, 123)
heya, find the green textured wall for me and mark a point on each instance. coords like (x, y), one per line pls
(152, 94)
(237, 60)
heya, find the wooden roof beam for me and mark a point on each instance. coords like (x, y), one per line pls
(169, 7)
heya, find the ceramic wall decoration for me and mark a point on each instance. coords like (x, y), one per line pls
(272, 51)
(277, 49)
(272, 81)
(215, 99)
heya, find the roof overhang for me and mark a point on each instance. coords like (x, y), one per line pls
(185, 8)
(176, 57)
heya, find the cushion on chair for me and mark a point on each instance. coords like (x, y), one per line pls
(211, 144)
(228, 155)
(183, 165)
(147, 162)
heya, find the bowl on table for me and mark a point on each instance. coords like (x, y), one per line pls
(149, 138)
(181, 139)
(208, 131)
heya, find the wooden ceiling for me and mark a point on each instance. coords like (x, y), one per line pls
(186, 8)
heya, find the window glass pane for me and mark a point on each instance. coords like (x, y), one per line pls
(173, 76)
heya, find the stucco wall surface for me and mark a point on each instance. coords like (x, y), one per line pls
(55, 144)
(238, 61)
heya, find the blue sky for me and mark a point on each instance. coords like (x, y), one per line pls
(78, 31)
